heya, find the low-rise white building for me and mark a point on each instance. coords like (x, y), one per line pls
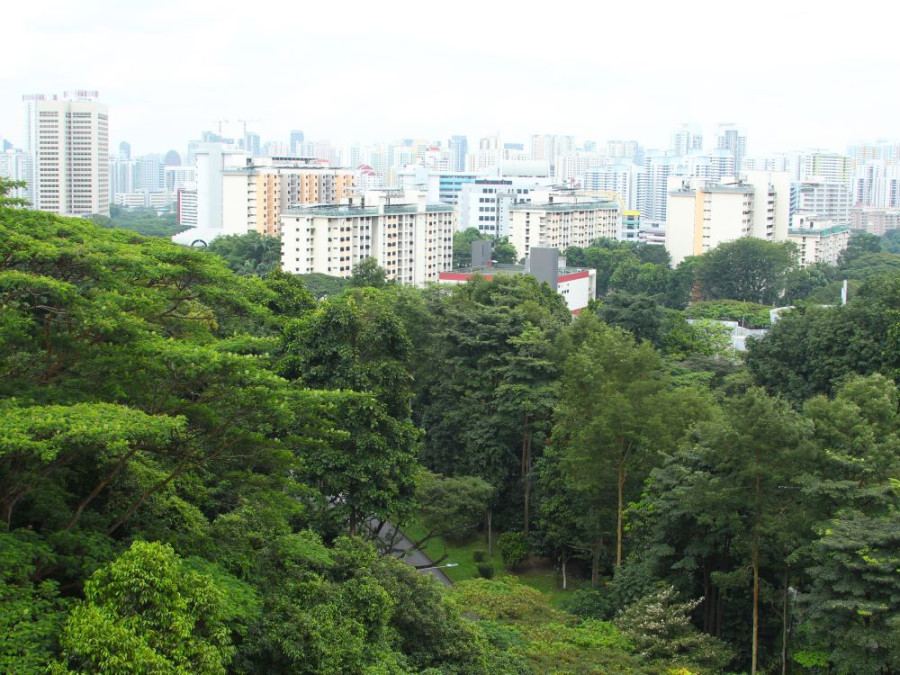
(818, 240)
(411, 239)
(155, 199)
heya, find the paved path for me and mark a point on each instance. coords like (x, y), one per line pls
(403, 549)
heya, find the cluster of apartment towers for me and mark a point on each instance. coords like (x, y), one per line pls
(401, 203)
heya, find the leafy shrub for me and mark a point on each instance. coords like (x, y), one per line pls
(486, 570)
(747, 314)
(590, 603)
(659, 626)
(514, 548)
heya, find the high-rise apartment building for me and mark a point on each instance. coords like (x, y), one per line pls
(657, 169)
(686, 139)
(560, 220)
(255, 196)
(702, 215)
(731, 138)
(410, 239)
(16, 165)
(459, 147)
(67, 138)
(621, 176)
(296, 142)
(827, 199)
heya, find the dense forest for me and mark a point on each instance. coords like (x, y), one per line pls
(196, 451)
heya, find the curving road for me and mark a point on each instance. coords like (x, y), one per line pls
(403, 549)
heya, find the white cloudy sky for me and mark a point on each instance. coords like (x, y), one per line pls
(794, 74)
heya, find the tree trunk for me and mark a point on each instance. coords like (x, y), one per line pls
(620, 485)
(785, 610)
(565, 560)
(354, 521)
(140, 500)
(490, 538)
(526, 477)
(755, 651)
(99, 488)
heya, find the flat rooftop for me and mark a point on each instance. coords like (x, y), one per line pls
(508, 269)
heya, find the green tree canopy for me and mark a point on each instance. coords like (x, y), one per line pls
(748, 269)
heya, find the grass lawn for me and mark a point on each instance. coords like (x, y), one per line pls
(537, 574)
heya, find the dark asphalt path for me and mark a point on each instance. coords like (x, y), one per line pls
(403, 549)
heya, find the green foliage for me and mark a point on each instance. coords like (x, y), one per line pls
(810, 352)
(146, 610)
(520, 621)
(367, 273)
(659, 627)
(632, 269)
(324, 286)
(6, 187)
(747, 269)
(807, 283)
(640, 315)
(890, 241)
(486, 411)
(144, 221)
(514, 548)
(855, 593)
(250, 254)
(452, 507)
(860, 244)
(485, 570)
(503, 251)
(31, 611)
(747, 314)
(616, 415)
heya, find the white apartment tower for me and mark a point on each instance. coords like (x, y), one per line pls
(731, 138)
(411, 240)
(67, 138)
(560, 220)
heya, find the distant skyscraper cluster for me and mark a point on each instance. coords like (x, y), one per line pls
(692, 195)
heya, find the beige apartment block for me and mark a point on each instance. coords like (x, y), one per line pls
(256, 196)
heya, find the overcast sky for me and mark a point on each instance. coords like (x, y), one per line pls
(793, 74)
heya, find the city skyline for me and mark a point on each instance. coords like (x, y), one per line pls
(371, 75)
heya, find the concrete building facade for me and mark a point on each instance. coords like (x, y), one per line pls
(67, 139)
(560, 220)
(817, 240)
(703, 215)
(411, 239)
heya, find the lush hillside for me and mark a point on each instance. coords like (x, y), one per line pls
(190, 459)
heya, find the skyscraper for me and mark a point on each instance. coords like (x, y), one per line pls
(296, 142)
(459, 146)
(730, 137)
(68, 141)
(686, 139)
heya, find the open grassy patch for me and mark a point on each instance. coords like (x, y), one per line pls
(537, 573)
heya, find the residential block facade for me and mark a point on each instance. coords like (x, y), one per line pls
(561, 219)
(67, 138)
(410, 239)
